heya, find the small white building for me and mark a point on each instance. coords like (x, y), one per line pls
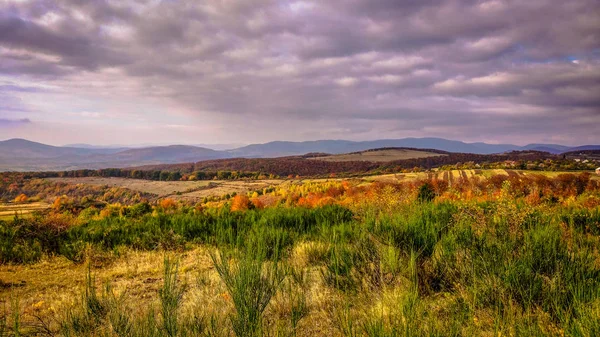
(598, 171)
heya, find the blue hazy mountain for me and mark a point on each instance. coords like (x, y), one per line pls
(25, 155)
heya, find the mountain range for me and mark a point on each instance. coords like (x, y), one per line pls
(25, 155)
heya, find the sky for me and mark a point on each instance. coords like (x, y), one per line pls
(228, 71)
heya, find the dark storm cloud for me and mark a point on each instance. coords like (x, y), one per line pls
(430, 67)
(73, 48)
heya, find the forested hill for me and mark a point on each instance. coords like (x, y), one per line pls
(307, 166)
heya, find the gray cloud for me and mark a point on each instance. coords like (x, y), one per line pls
(9, 123)
(497, 70)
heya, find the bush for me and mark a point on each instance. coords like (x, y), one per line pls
(426, 193)
(251, 282)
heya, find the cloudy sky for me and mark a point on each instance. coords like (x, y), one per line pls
(229, 71)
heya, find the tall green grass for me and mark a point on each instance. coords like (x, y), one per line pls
(252, 280)
(499, 267)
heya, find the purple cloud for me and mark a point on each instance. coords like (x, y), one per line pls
(9, 123)
(497, 70)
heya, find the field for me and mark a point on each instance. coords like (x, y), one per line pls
(453, 175)
(379, 155)
(179, 190)
(160, 188)
(198, 190)
(444, 253)
(7, 211)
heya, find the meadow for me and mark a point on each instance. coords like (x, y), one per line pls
(447, 253)
(381, 155)
(8, 211)
(180, 190)
(194, 191)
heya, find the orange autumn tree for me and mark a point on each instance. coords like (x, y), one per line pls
(168, 204)
(21, 198)
(60, 202)
(257, 203)
(240, 203)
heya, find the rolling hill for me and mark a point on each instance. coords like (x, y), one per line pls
(381, 155)
(22, 148)
(279, 148)
(25, 155)
(170, 154)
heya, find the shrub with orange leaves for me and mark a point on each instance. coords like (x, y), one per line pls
(240, 203)
(21, 198)
(110, 211)
(60, 202)
(324, 201)
(168, 204)
(257, 203)
(533, 198)
(303, 202)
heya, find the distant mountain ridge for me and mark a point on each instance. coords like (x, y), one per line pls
(25, 155)
(282, 148)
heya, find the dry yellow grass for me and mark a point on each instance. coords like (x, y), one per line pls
(7, 211)
(51, 287)
(180, 190)
(380, 155)
(160, 188)
(57, 282)
(221, 188)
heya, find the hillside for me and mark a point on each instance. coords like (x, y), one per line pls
(584, 155)
(307, 165)
(24, 155)
(22, 148)
(169, 154)
(381, 155)
(280, 149)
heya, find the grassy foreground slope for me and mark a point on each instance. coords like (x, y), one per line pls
(514, 254)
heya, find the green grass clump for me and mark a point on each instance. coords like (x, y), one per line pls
(171, 295)
(251, 281)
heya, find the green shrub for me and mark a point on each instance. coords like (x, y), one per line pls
(426, 193)
(251, 281)
(171, 295)
(16, 243)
